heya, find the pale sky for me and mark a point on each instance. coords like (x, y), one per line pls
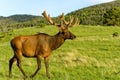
(36, 7)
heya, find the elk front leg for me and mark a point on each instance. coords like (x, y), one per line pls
(47, 66)
(39, 66)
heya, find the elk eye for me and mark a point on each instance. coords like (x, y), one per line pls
(63, 32)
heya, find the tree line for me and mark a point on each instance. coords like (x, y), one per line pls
(95, 15)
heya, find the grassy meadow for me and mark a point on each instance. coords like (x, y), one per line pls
(93, 55)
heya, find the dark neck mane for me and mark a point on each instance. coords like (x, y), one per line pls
(56, 41)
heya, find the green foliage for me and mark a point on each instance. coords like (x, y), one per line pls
(42, 24)
(93, 55)
(112, 17)
(93, 15)
(115, 34)
(20, 21)
(22, 18)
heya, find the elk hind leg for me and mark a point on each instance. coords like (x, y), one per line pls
(38, 68)
(19, 59)
(11, 61)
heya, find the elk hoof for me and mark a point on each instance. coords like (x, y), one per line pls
(10, 76)
(32, 76)
(25, 77)
(48, 76)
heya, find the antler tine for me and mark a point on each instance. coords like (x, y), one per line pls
(63, 19)
(48, 18)
(77, 22)
(71, 20)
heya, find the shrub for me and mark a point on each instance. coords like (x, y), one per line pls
(115, 34)
(42, 24)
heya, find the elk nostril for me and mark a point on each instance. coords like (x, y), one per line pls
(74, 37)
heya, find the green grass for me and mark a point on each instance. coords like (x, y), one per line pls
(93, 55)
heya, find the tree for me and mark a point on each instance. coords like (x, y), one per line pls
(112, 17)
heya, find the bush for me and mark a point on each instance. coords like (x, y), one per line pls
(115, 34)
(42, 24)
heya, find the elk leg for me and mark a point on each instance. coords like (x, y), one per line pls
(46, 59)
(11, 61)
(39, 66)
(20, 67)
(19, 59)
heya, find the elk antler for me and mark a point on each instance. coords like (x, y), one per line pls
(63, 21)
(76, 22)
(48, 18)
(69, 23)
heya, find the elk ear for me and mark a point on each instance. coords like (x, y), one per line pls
(61, 29)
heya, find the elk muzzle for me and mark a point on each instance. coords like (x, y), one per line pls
(72, 36)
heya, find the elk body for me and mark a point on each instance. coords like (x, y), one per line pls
(40, 45)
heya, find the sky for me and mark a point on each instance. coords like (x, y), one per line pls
(36, 7)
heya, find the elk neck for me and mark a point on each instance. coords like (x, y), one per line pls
(57, 40)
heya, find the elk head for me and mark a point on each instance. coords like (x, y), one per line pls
(63, 25)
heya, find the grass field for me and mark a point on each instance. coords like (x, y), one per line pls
(93, 55)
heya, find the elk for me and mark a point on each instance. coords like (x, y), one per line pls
(41, 45)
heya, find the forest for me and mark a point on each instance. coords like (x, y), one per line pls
(94, 15)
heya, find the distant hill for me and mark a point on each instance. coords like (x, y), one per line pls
(93, 15)
(19, 21)
(22, 18)
(19, 18)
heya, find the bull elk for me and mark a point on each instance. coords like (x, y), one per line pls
(40, 45)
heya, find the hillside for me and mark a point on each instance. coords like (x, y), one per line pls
(19, 21)
(93, 55)
(19, 17)
(93, 15)
(22, 18)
